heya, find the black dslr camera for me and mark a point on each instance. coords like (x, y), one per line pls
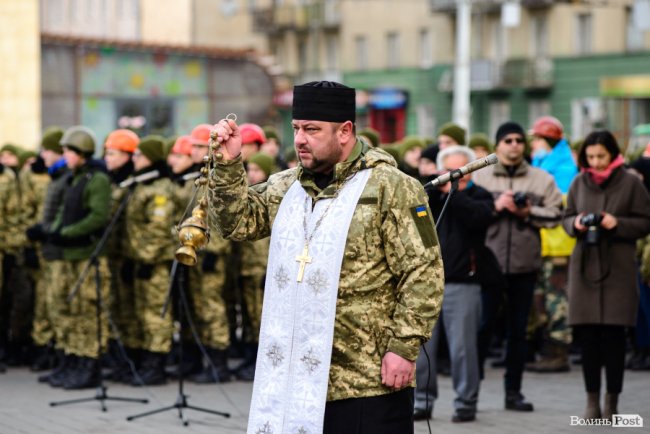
(520, 199)
(592, 222)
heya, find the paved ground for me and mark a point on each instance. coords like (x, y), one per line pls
(24, 407)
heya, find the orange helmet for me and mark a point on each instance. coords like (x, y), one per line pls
(251, 133)
(549, 127)
(201, 134)
(122, 140)
(182, 145)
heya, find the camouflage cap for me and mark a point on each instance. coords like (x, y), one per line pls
(51, 139)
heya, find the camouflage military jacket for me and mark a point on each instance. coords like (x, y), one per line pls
(33, 188)
(149, 221)
(9, 209)
(391, 284)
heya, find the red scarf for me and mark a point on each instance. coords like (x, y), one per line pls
(600, 176)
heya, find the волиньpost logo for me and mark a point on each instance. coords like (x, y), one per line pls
(617, 421)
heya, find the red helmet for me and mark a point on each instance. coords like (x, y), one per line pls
(251, 133)
(201, 134)
(182, 145)
(122, 140)
(549, 127)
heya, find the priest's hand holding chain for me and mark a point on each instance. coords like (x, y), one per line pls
(226, 133)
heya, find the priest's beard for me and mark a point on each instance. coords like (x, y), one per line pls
(325, 157)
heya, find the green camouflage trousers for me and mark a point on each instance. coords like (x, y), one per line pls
(82, 327)
(552, 285)
(122, 306)
(251, 287)
(42, 330)
(209, 306)
(57, 305)
(150, 294)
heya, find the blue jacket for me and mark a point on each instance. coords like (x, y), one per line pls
(559, 163)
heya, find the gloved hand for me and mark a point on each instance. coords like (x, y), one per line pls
(127, 272)
(209, 264)
(144, 271)
(35, 233)
(31, 258)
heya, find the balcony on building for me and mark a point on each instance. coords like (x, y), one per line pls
(490, 75)
(278, 19)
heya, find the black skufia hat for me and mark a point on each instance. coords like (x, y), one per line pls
(325, 101)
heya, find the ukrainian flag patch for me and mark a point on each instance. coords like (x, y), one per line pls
(424, 225)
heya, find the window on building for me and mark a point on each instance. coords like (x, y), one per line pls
(302, 56)
(538, 108)
(584, 34)
(361, 48)
(499, 41)
(332, 52)
(634, 36)
(426, 48)
(499, 113)
(539, 33)
(392, 45)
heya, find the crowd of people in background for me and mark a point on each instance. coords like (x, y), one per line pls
(546, 254)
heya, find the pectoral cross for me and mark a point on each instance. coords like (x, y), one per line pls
(304, 259)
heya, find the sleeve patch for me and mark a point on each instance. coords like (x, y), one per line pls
(424, 225)
(159, 200)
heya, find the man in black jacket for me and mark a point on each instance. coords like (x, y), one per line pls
(462, 236)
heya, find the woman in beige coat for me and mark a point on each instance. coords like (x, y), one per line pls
(608, 210)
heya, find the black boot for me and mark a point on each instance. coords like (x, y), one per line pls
(517, 402)
(69, 366)
(85, 376)
(191, 363)
(59, 364)
(217, 374)
(123, 373)
(152, 370)
(42, 360)
(246, 371)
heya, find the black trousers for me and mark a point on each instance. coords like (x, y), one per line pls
(519, 298)
(602, 345)
(384, 414)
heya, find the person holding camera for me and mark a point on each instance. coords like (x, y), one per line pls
(526, 199)
(608, 209)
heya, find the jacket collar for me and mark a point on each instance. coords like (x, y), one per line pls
(501, 170)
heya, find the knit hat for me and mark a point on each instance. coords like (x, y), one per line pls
(51, 139)
(122, 140)
(509, 127)
(183, 145)
(152, 147)
(264, 161)
(480, 140)
(325, 101)
(169, 144)
(409, 143)
(11, 148)
(271, 133)
(454, 131)
(372, 135)
(431, 153)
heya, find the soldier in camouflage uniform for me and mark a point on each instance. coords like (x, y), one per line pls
(149, 220)
(253, 259)
(51, 309)
(208, 304)
(391, 283)
(77, 228)
(9, 220)
(35, 182)
(119, 147)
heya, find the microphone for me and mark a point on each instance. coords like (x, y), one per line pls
(140, 178)
(462, 171)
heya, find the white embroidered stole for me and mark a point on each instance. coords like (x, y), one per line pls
(297, 329)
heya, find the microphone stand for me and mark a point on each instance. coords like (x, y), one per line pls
(177, 276)
(93, 261)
